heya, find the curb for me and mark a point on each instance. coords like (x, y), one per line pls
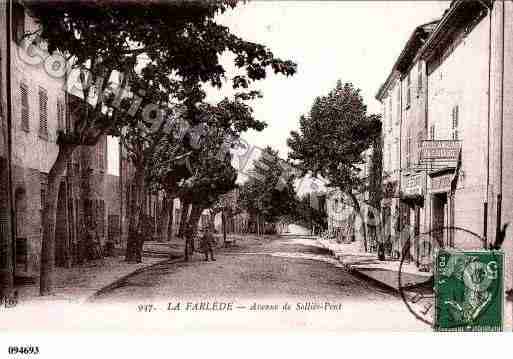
(123, 278)
(351, 269)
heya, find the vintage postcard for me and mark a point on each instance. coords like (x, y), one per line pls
(236, 166)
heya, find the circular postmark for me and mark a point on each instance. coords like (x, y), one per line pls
(416, 275)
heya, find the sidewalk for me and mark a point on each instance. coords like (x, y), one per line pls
(78, 283)
(368, 265)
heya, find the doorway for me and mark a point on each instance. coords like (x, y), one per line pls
(20, 209)
(62, 247)
(439, 217)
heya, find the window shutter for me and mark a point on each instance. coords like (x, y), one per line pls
(43, 196)
(419, 79)
(390, 111)
(24, 107)
(408, 90)
(398, 108)
(456, 115)
(43, 112)
(60, 115)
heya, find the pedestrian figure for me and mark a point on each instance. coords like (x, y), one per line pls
(207, 243)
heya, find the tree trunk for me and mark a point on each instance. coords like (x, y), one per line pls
(194, 218)
(86, 213)
(212, 219)
(171, 216)
(192, 223)
(184, 215)
(223, 219)
(135, 240)
(49, 218)
(358, 210)
(163, 220)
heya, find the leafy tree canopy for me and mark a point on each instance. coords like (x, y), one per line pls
(263, 194)
(332, 138)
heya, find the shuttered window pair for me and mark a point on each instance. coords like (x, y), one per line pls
(43, 113)
(25, 110)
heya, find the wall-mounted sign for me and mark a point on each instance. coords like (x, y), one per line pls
(440, 150)
(442, 183)
(414, 184)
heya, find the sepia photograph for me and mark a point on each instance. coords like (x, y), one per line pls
(250, 166)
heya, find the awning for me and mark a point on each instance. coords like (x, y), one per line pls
(413, 199)
(442, 171)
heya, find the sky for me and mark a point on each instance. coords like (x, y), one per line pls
(354, 41)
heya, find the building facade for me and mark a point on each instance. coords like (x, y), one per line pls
(40, 107)
(456, 85)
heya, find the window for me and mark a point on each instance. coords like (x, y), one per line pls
(60, 115)
(43, 196)
(390, 112)
(398, 108)
(18, 22)
(24, 107)
(385, 112)
(43, 113)
(455, 120)
(432, 132)
(67, 114)
(389, 157)
(408, 90)
(100, 157)
(100, 215)
(408, 153)
(43, 199)
(419, 79)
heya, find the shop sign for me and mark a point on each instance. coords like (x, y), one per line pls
(442, 183)
(446, 150)
(414, 184)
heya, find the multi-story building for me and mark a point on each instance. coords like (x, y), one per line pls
(457, 69)
(37, 112)
(39, 109)
(455, 162)
(403, 97)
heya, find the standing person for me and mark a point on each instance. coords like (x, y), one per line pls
(207, 243)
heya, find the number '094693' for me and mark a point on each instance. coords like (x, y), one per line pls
(23, 350)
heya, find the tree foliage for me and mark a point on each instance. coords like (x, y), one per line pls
(157, 42)
(309, 215)
(263, 194)
(332, 138)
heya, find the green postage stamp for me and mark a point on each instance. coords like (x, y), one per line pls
(469, 290)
